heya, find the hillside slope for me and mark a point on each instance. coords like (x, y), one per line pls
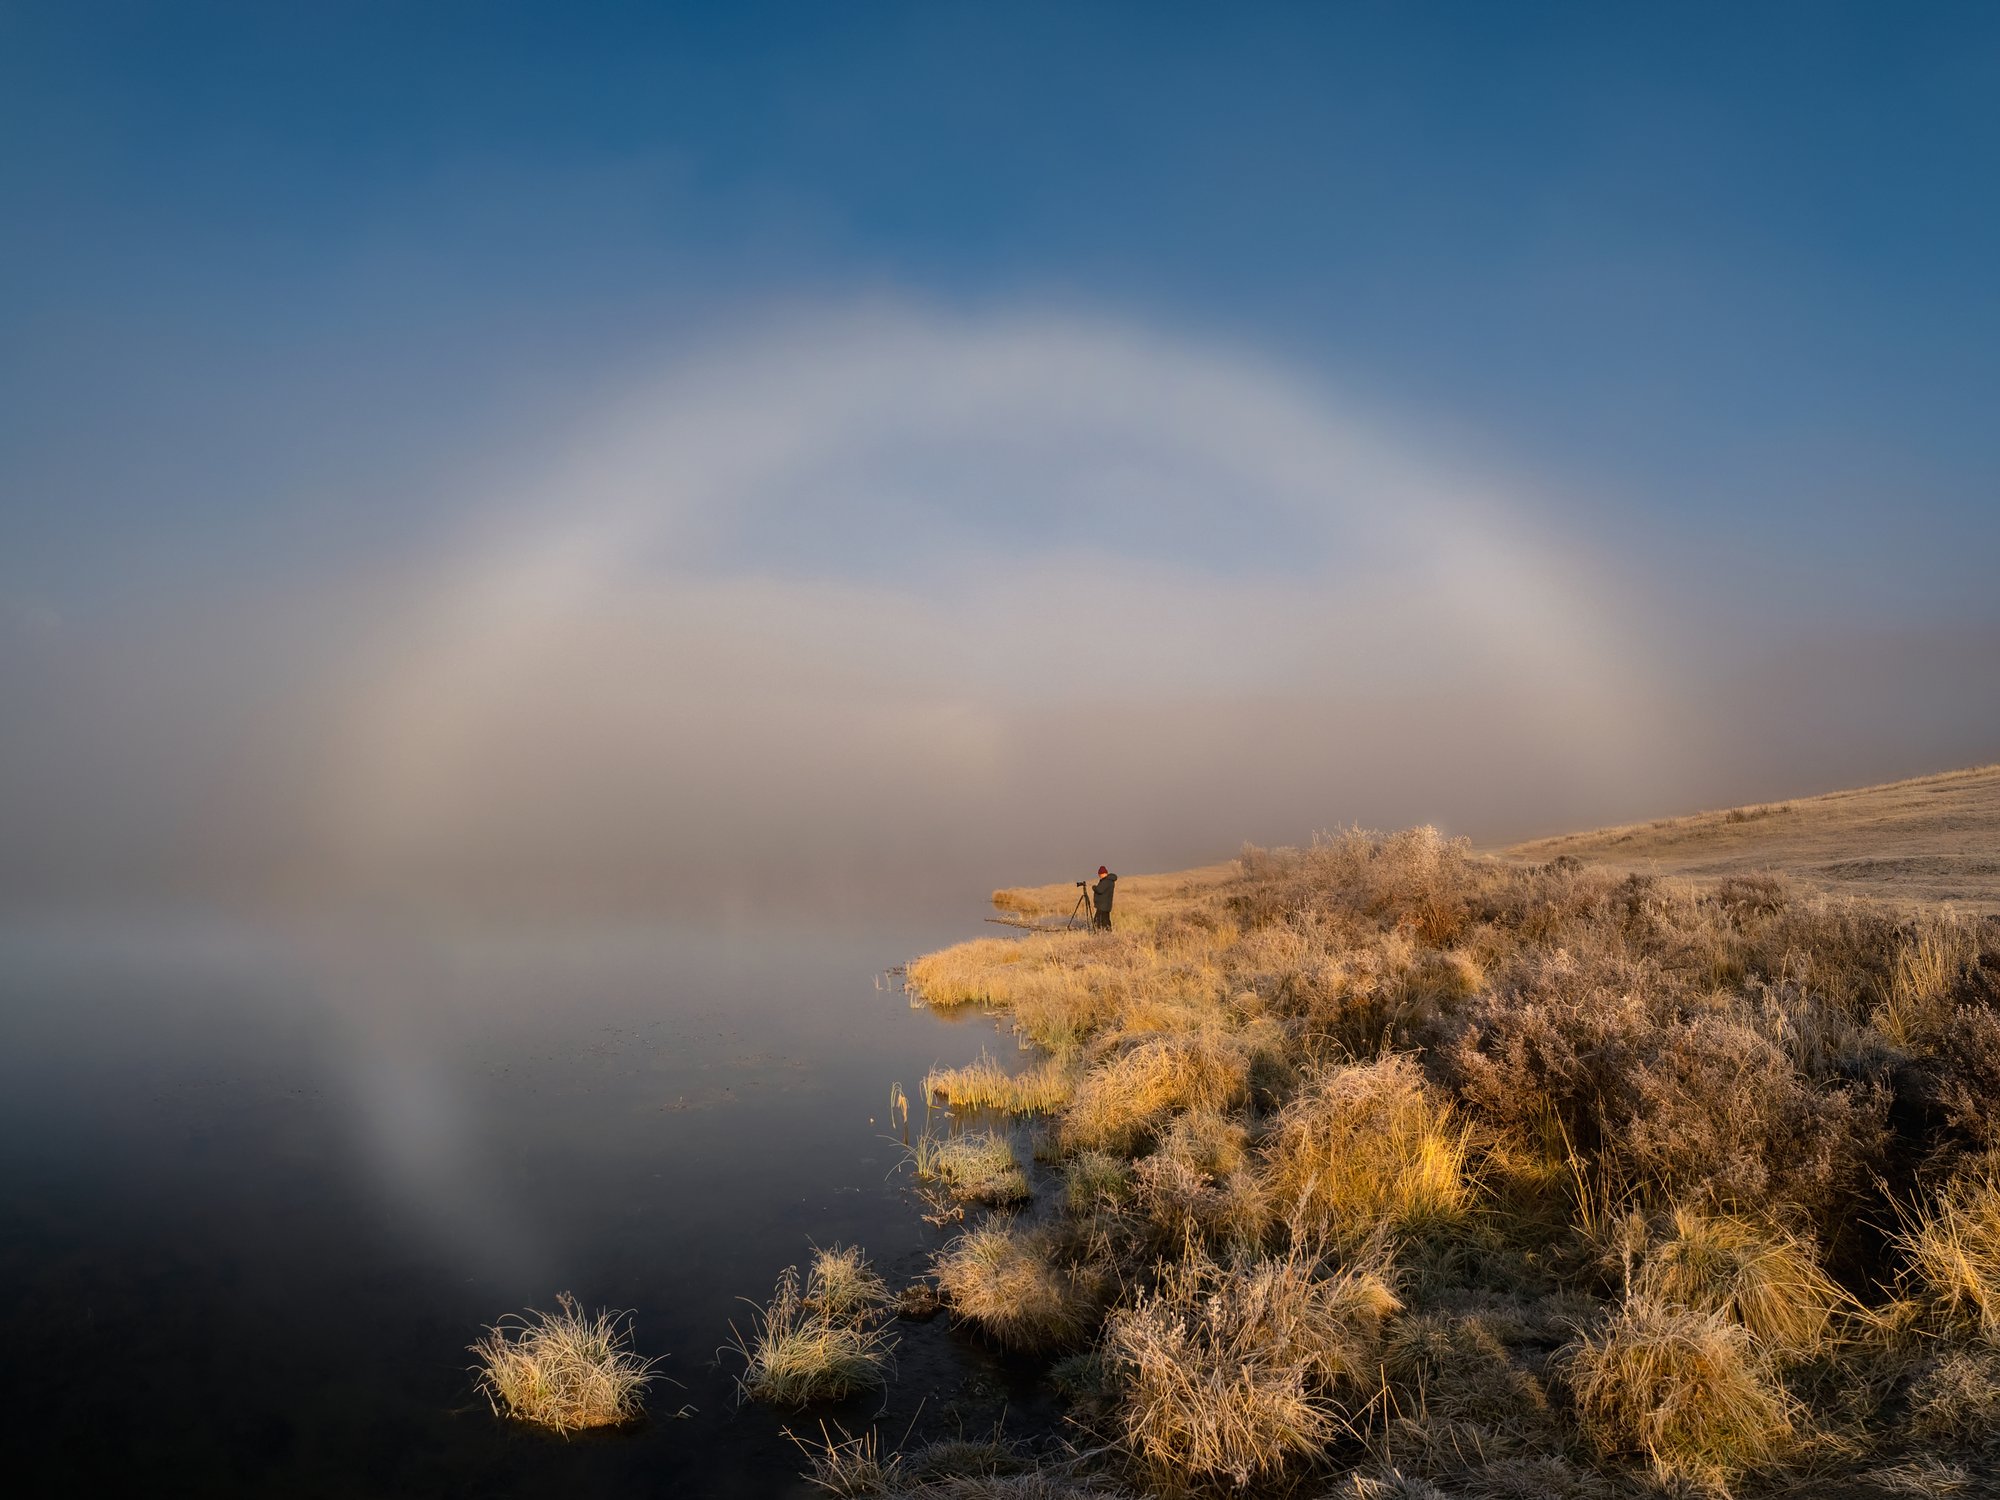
(1934, 838)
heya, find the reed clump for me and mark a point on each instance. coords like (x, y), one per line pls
(817, 1341)
(565, 1370)
(984, 1084)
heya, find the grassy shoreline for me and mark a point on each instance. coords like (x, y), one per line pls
(1381, 1168)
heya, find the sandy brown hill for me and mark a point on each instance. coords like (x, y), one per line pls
(1935, 838)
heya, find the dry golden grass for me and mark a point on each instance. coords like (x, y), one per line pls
(1003, 1278)
(1230, 1371)
(816, 1343)
(948, 1469)
(1094, 1180)
(1954, 1248)
(984, 1084)
(1755, 1274)
(1367, 1147)
(563, 1370)
(1687, 1388)
(842, 1285)
(1123, 1101)
(1928, 960)
(978, 1166)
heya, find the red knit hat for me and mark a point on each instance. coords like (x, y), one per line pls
(1102, 871)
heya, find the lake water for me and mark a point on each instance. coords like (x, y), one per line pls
(259, 1190)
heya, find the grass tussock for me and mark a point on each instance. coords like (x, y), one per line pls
(1687, 1388)
(860, 1468)
(977, 1166)
(1008, 1280)
(1371, 1146)
(1954, 1249)
(1231, 1370)
(563, 1370)
(1125, 1100)
(1755, 1274)
(820, 1341)
(1351, 1141)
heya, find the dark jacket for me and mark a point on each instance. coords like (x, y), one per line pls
(1100, 894)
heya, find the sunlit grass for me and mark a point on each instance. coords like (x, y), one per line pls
(977, 1166)
(563, 1370)
(1003, 1277)
(819, 1342)
(984, 1084)
(1687, 1388)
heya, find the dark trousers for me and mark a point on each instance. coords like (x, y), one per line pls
(1102, 918)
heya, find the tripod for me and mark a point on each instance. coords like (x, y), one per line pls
(1082, 911)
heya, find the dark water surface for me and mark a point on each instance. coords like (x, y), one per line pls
(259, 1189)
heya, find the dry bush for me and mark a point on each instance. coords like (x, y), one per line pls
(1841, 949)
(1559, 1036)
(1719, 1112)
(1386, 992)
(1954, 1248)
(1232, 1372)
(1688, 1389)
(1676, 1094)
(799, 1349)
(1420, 878)
(1755, 1274)
(1417, 879)
(978, 1166)
(1006, 1279)
(1120, 1103)
(563, 1370)
(1369, 1146)
(984, 1084)
(1965, 1062)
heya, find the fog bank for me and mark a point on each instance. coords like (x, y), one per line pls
(881, 604)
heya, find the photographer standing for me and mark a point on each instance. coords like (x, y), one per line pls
(1100, 897)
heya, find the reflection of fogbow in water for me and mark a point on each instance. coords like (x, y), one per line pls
(389, 998)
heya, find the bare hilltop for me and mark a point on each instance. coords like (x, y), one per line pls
(1929, 839)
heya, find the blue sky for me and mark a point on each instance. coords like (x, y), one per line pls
(282, 286)
(1733, 262)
